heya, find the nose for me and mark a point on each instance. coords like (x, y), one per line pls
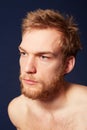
(30, 66)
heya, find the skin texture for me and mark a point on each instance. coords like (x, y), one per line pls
(47, 101)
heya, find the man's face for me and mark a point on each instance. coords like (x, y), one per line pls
(41, 66)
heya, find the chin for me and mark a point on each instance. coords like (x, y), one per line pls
(33, 93)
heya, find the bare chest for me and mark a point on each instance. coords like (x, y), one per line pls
(62, 123)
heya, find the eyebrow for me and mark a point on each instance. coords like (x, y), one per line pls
(39, 53)
(20, 48)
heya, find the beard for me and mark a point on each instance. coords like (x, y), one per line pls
(45, 90)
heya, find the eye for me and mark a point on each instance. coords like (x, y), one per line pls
(22, 53)
(44, 57)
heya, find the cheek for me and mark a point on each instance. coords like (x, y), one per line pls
(55, 71)
(48, 72)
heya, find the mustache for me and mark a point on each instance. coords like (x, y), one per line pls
(28, 77)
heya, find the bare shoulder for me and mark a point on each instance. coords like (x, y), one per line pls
(16, 103)
(81, 89)
(78, 93)
(16, 110)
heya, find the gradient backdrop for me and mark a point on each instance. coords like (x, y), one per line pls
(11, 14)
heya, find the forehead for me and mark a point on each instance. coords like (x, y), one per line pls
(44, 39)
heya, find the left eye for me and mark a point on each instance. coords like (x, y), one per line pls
(44, 57)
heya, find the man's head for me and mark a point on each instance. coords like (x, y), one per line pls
(48, 49)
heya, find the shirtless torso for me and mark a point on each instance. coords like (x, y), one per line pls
(27, 114)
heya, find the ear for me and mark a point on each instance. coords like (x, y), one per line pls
(70, 62)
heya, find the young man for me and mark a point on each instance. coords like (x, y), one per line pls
(48, 50)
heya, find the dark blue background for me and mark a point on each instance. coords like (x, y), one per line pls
(11, 14)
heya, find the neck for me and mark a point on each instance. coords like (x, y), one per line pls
(56, 100)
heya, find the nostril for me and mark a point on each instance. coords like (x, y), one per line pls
(30, 68)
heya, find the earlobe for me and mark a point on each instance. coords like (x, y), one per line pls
(70, 62)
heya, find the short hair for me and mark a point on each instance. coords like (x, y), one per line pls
(48, 18)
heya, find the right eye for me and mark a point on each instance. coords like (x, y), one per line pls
(22, 53)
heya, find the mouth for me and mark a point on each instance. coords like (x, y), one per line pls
(30, 82)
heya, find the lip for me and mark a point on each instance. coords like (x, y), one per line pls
(29, 81)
